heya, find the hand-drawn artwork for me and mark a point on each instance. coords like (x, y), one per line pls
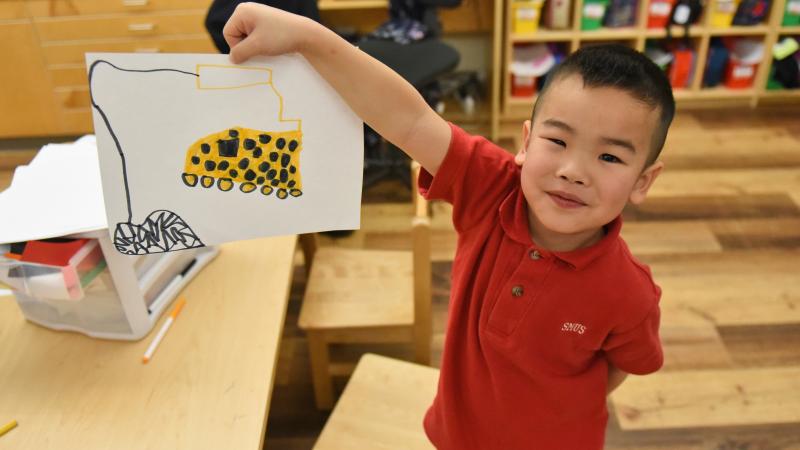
(251, 158)
(177, 134)
(162, 230)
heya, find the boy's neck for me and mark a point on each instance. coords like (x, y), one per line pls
(559, 242)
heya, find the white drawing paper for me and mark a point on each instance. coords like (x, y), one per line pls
(194, 150)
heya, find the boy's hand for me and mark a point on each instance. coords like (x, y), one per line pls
(256, 29)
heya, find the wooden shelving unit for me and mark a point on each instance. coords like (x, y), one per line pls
(508, 111)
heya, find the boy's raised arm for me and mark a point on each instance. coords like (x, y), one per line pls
(381, 97)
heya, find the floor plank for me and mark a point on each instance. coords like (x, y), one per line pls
(702, 398)
(657, 237)
(730, 289)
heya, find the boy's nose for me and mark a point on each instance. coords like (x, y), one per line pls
(572, 172)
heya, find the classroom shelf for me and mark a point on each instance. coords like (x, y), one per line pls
(542, 36)
(608, 34)
(782, 93)
(757, 30)
(334, 5)
(654, 33)
(722, 93)
(521, 101)
(507, 108)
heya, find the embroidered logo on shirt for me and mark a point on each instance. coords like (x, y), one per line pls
(574, 327)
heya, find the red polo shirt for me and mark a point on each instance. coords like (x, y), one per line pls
(530, 332)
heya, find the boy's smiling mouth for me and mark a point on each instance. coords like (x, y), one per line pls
(565, 199)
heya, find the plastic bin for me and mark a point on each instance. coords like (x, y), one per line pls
(716, 62)
(745, 57)
(621, 13)
(658, 13)
(722, 13)
(593, 13)
(529, 62)
(101, 292)
(557, 14)
(791, 14)
(55, 282)
(682, 67)
(526, 15)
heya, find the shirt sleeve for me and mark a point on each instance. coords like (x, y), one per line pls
(475, 176)
(637, 350)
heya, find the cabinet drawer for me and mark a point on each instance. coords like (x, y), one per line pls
(120, 26)
(73, 97)
(73, 53)
(58, 8)
(12, 9)
(70, 75)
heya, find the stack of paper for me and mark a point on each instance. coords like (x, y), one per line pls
(57, 194)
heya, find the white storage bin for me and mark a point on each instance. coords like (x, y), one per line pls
(101, 292)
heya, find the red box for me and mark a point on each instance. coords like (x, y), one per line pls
(658, 13)
(523, 86)
(680, 70)
(738, 74)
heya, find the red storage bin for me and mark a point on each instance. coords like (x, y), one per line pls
(746, 55)
(528, 63)
(658, 13)
(739, 74)
(680, 70)
(523, 86)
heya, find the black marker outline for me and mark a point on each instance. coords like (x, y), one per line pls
(132, 243)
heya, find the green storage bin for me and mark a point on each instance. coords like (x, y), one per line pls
(773, 85)
(593, 13)
(791, 15)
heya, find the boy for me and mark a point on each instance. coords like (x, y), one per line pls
(549, 311)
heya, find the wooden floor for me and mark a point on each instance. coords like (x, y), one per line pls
(721, 231)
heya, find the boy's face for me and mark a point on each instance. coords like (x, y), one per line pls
(583, 160)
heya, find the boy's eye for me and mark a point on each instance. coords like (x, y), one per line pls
(557, 142)
(610, 158)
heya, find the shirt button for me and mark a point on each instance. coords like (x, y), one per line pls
(517, 291)
(535, 255)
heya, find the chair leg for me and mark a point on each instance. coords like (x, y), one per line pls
(320, 373)
(309, 244)
(422, 345)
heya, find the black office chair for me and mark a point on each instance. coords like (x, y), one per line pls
(420, 62)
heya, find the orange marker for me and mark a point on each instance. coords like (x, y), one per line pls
(153, 345)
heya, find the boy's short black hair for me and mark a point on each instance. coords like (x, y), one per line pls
(621, 67)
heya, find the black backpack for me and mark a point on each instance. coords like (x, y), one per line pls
(751, 12)
(684, 13)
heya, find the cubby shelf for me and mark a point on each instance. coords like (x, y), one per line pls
(507, 107)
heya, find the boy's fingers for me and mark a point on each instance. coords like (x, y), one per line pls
(245, 49)
(236, 28)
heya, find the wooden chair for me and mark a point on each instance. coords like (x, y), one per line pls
(368, 296)
(382, 406)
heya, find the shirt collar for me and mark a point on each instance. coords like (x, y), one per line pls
(514, 219)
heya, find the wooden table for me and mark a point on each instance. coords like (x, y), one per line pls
(207, 387)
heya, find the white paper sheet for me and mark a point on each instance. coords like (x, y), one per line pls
(303, 148)
(58, 193)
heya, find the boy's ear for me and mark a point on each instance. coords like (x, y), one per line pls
(646, 179)
(519, 158)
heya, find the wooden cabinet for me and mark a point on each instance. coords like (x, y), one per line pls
(24, 97)
(46, 41)
(46, 92)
